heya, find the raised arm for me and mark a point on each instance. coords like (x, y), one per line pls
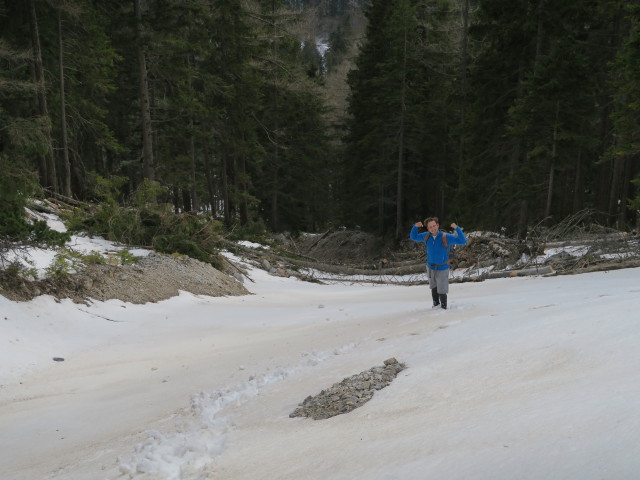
(415, 235)
(459, 238)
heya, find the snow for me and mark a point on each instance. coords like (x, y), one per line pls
(522, 378)
(40, 258)
(246, 243)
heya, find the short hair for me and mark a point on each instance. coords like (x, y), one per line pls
(426, 221)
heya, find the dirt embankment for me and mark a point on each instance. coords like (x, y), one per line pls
(154, 278)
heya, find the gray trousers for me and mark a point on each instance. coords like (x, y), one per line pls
(439, 279)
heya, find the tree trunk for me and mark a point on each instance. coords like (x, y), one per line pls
(210, 185)
(615, 187)
(625, 193)
(192, 151)
(187, 204)
(48, 176)
(547, 209)
(381, 203)
(145, 103)
(539, 35)
(403, 112)
(578, 184)
(276, 152)
(226, 196)
(66, 181)
(244, 206)
(523, 220)
(274, 193)
(175, 194)
(464, 61)
(195, 201)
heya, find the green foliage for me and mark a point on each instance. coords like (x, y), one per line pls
(626, 114)
(93, 258)
(545, 92)
(143, 223)
(127, 258)
(634, 203)
(134, 224)
(401, 103)
(536, 122)
(255, 231)
(16, 187)
(16, 271)
(184, 245)
(64, 265)
(41, 234)
(68, 262)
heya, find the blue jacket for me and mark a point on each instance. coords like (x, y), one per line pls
(437, 253)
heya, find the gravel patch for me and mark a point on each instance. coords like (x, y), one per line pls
(350, 393)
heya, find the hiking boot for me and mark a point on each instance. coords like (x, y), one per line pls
(443, 301)
(436, 299)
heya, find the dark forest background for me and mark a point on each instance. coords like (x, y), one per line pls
(495, 114)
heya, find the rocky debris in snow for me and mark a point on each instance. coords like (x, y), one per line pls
(350, 393)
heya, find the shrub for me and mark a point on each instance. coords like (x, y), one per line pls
(17, 271)
(139, 222)
(185, 246)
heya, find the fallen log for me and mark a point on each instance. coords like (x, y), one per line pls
(605, 237)
(525, 272)
(602, 267)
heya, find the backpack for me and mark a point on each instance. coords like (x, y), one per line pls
(451, 251)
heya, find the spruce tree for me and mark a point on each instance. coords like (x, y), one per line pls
(624, 154)
(395, 149)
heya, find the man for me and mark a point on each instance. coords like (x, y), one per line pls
(437, 246)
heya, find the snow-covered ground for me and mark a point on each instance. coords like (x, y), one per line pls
(522, 378)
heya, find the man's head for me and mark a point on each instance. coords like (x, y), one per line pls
(432, 225)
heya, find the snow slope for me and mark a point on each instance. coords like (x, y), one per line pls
(522, 378)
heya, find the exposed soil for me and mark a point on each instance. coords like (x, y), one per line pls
(154, 278)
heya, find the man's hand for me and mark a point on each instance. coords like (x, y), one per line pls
(454, 226)
(418, 224)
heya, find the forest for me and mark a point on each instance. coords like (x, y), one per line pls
(495, 114)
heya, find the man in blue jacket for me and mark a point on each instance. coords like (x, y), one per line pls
(437, 247)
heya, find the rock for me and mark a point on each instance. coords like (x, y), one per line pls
(349, 394)
(238, 277)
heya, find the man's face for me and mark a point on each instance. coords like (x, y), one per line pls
(432, 227)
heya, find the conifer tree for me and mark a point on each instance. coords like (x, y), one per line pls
(531, 124)
(293, 183)
(625, 154)
(398, 129)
